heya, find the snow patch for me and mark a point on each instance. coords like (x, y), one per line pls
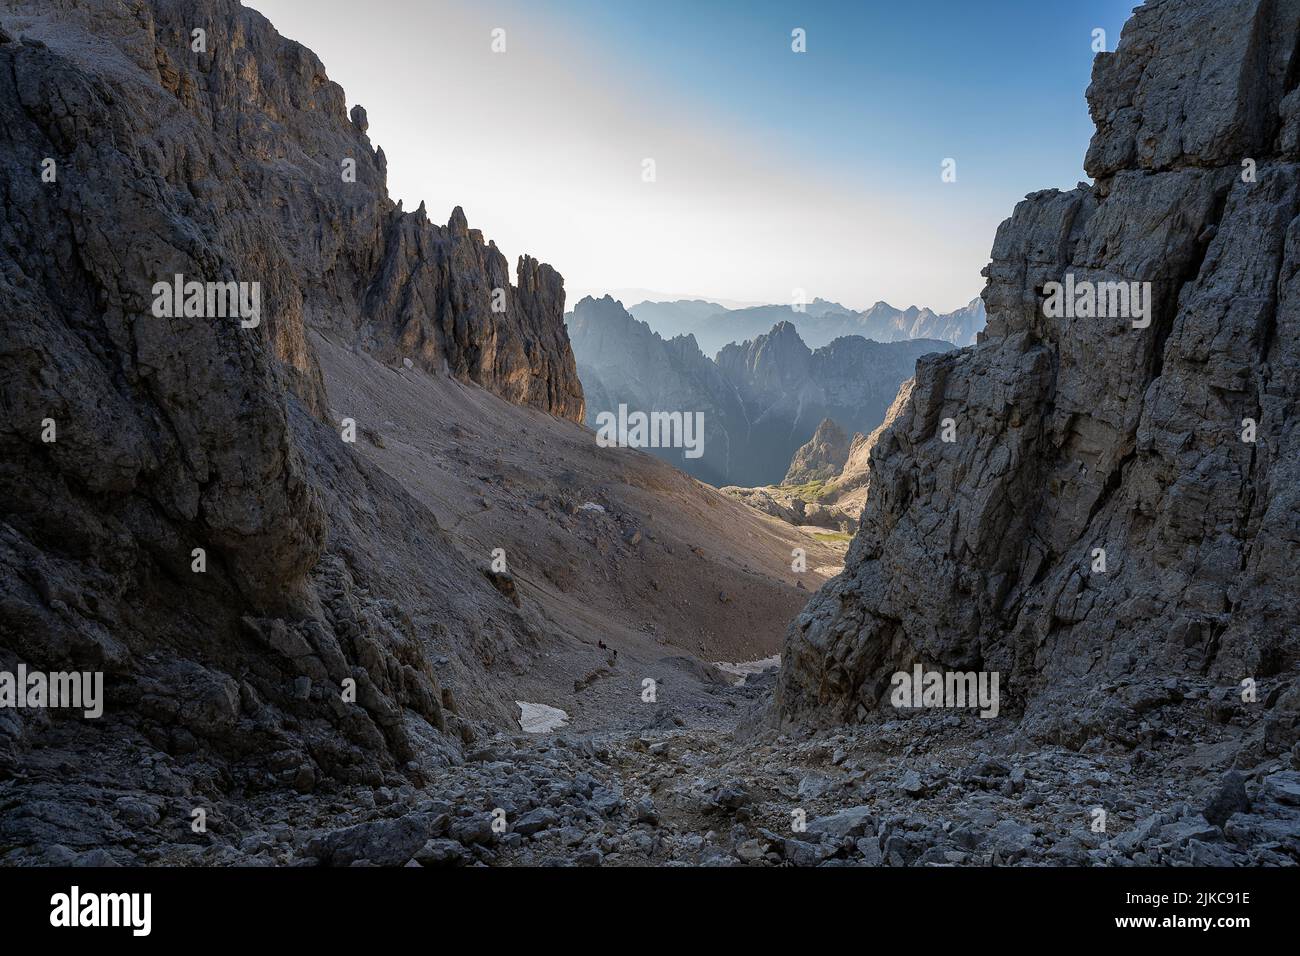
(744, 668)
(540, 718)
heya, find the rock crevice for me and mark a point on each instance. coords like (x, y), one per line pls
(1080, 435)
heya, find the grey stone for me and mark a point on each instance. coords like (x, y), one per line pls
(851, 822)
(911, 784)
(732, 796)
(869, 849)
(1230, 798)
(135, 812)
(535, 821)
(379, 842)
(646, 812)
(1189, 828)
(440, 853)
(1283, 787)
(472, 830)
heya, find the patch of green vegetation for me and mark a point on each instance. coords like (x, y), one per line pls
(833, 537)
(810, 491)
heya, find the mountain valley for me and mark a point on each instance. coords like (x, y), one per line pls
(365, 589)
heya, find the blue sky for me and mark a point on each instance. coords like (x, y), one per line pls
(884, 87)
(775, 171)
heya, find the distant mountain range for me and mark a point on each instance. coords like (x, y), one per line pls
(819, 323)
(762, 398)
(577, 293)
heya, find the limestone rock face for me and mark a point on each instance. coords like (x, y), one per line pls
(267, 172)
(821, 457)
(1193, 84)
(177, 510)
(1074, 436)
(443, 298)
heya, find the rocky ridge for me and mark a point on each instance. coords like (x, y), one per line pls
(621, 361)
(961, 327)
(818, 323)
(761, 400)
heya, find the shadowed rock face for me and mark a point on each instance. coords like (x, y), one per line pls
(180, 433)
(788, 389)
(622, 362)
(1078, 434)
(245, 155)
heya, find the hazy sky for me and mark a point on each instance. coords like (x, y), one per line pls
(775, 170)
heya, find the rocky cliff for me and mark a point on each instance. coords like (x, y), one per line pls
(253, 123)
(1117, 515)
(179, 511)
(822, 456)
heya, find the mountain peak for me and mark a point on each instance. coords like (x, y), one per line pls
(457, 224)
(821, 457)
